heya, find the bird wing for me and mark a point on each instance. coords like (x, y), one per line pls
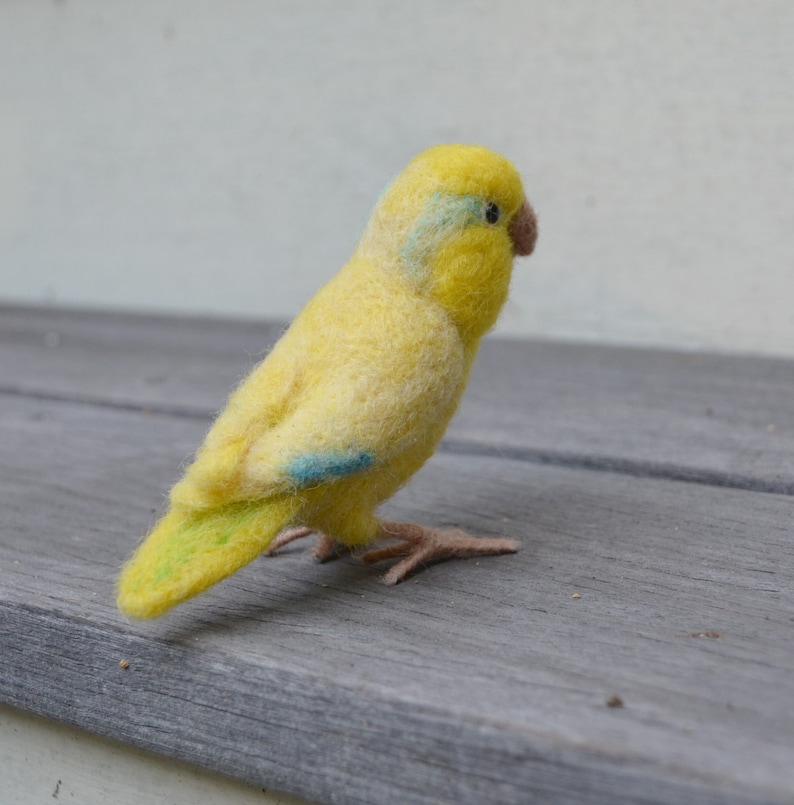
(352, 383)
(375, 398)
(374, 402)
(367, 369)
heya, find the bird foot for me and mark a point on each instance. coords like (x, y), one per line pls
(325, 548)
(421, 546)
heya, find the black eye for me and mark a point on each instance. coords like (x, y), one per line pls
(492, 213)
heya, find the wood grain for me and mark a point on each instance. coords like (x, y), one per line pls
(713, 419)
(475, 681)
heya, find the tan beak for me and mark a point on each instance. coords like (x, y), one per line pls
(523, 230)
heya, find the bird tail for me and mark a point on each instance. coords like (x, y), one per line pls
(187, 552)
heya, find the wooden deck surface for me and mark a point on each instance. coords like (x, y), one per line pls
(656, 486)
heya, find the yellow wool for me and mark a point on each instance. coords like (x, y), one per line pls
(357, 393)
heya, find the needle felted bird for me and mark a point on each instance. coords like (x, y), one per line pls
(354, 397)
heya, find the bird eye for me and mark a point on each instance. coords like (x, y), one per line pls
(492, 213)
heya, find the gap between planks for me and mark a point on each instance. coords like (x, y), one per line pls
(544, 457)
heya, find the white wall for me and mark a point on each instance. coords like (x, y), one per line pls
(222, 157)
(43, 760)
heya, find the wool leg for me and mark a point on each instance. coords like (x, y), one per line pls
(285, 537)
(421, 546)
(325, 548)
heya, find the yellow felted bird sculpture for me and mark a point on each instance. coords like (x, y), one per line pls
(353, 399)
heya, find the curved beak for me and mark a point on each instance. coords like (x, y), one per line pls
(523, 230)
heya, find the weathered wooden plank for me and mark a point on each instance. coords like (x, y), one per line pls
(468, 683)
(182, 364)
(717, 419)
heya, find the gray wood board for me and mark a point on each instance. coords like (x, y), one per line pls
(474, 681)
(716, 419)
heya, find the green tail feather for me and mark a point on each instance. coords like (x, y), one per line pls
(187, 552)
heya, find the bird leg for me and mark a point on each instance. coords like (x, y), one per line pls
(326, 547)
(285, 537)
(421, 546)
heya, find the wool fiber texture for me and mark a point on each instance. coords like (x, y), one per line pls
(355, 396)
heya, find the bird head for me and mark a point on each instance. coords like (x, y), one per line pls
(450, 225)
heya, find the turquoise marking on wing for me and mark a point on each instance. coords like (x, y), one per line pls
(314, 468)
(443, 216)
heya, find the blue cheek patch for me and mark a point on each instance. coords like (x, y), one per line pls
(441, 218)
(314, 468)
